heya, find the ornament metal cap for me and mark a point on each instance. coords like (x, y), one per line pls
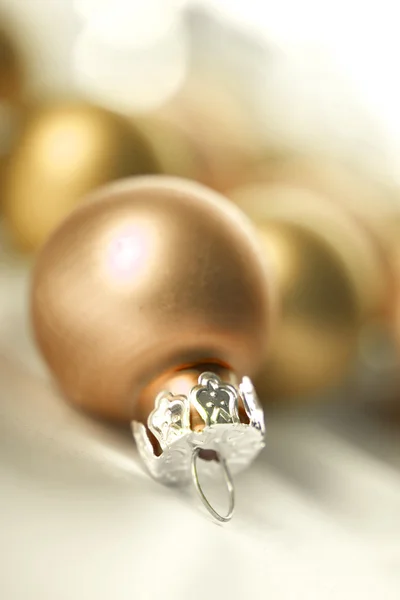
(232, 441)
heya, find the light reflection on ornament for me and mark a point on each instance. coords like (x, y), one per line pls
(127, 251)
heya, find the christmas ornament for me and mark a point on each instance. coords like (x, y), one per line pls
(372, 203)
(321, 175)
(151, 303)
(11, 69)
(65, 151)
(357, 249)
(316, 336)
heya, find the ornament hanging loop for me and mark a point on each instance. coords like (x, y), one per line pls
(203, 497)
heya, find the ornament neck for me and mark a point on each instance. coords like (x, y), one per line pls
(180, 382)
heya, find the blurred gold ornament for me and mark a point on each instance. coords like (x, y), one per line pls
(354, 246)
(374, 204)
(330, 281)
(12, 78)
(11, 69)
(316, 337)
(65, 151)
(355, 190)
(324, 176)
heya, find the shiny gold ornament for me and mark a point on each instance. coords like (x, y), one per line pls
(149, 277)
(316, 336)
(360, 255)
(65, 151)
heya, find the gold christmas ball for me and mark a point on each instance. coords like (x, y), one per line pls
(63, 152)
(148, 277)
(316, 336)
(373, 204)
(368, 250)
(11, 68)
(354, 246)
(12, 79)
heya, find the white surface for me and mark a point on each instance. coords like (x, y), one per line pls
(318, 515)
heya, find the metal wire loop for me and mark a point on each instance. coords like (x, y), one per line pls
(229, 485)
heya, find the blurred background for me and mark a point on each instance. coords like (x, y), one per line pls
(291, 110)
